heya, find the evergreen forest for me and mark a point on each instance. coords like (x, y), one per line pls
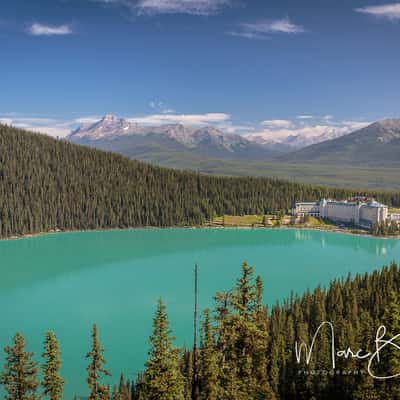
(48, 184)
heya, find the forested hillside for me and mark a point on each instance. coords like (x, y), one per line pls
(48, 184)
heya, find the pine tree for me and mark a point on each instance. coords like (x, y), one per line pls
(244, 298)
(162, 378)
(115, 394)
(123, 390)
(20, 372)
(259, 332)
(208, 361)
(96, 369)
(244, 302)
(53, 383)
(366, 390)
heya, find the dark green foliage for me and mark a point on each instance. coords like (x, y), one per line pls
(209, 371)
(390, 357)
(96, 370)
(52, 382)
(20, 372)
(242, 340)
(356, 307)
(48, 184)
(163, 379)
(387, 228)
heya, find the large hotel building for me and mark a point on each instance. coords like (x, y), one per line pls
(364, 213)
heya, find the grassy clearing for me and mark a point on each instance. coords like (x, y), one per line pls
(270, 221)
(240, 220)
(394, 210)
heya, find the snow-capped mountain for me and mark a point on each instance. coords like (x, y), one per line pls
(119, 135)
(377, 144)
(298, 138)
(108, 127)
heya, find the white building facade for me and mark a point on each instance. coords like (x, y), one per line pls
(307, 208)
(360, 213)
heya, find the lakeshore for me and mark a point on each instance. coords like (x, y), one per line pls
(215, 225)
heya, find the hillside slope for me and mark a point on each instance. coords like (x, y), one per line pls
(375, 145)
(48, 184)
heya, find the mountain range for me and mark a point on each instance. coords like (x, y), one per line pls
(377, 144)
(136, 141)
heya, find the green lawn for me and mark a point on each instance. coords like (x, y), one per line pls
(239, 220)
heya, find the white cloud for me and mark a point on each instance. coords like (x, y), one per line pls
(50, 126)
(305, 133)
(37, 29)
(153, 7)
(193, 7)
(55, 131)
(189, 119)
(161, 107)
(389, 11)
(277, 123)
(355, 125)
(248, 35)
(264, 28)
(88, 120)
(305, 117)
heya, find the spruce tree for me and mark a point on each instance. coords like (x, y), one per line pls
(259, 332)
(53, 383)
(162, 378)
(115, 394)
(366, 390)
(123, 389)
(96, 369)
(20, 372)
(209, 370)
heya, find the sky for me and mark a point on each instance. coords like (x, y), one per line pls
(246, 66)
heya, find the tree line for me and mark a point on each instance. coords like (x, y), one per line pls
(246, 351)
(387, 228)
(48, 184)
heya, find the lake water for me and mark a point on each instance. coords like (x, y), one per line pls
(64, 282)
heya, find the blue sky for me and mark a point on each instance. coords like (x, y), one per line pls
(245, 66)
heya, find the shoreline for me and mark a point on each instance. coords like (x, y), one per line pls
(205, 226)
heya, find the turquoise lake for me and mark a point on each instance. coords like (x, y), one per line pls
(64, 282)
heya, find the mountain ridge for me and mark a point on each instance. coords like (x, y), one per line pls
(116, 134)
(376, 144)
